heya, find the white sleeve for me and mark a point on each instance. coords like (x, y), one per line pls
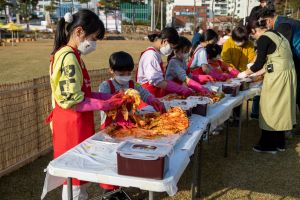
(151, 68)
(202, 57)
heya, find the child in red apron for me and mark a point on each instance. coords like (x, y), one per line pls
(121, 66)
(222, 70)
(73, 101)
(150, 73)
(178, 71)
(198, 63)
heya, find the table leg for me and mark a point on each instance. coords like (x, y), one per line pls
(247, 112)
(207, 132)
(239, 131)
(151, 195)
(226, 139)
(70, 188)
(200, 161)
(195, 171)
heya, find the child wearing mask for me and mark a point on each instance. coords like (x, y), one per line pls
(121, 65)
(151, 73)
(178, 72)
(223, 71)
(198, 63)
(73, 100)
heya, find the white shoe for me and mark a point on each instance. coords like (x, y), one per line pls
(79, 192)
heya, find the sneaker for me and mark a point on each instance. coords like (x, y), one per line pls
(281, 149)
(259, 149)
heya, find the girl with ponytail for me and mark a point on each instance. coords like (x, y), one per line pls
(151, 73)
(72, 99)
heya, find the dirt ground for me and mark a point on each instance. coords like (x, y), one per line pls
(30, 60)
(247, 175)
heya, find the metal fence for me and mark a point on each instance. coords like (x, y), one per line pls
(23, 108)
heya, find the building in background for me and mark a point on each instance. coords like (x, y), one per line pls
(241, 8)
(139, 12)
(180, 13)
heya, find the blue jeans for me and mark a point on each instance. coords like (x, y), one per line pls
(255, 105)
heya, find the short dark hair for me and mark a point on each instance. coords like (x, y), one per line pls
(213, 50)
(266, 12)
(240, 34)
(121, 61)
(182, 43)
(168, 33)
(208, 35)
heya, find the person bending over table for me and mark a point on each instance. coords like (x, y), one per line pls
(278, 95)
(150, 73)
(73, 101)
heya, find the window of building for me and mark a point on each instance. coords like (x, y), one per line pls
(238, 11)
(239, 5)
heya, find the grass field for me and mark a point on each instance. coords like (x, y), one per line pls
(31, 59)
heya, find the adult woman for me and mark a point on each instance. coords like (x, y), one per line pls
(150, 72)
(73, 100)
(278, 95)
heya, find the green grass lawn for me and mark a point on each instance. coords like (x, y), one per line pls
(30, 60)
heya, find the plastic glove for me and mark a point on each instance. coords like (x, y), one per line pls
(178, 89)
(242, 75)
(202, 79)
(233, 73)
(198, 87)
(100, 95)
(90, 104)
(125, 124)
(218, 75)
(157, 105)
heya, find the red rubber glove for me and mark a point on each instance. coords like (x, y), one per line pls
(233, 73)
(197, 87)
(157, 105)
(100, 95)
(178, 89)
(202, 79)
(219, 76)
(90, 104)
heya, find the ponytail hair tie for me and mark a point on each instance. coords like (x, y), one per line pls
(68, 17)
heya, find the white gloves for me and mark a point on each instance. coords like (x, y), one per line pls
(242, 75)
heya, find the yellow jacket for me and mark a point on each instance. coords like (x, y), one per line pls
(66, 79)
(236, 56)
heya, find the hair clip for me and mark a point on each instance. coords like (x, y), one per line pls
(68, 17)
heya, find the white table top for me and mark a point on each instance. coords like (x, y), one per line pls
(84, 161)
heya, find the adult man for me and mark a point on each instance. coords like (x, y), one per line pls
(289, 28)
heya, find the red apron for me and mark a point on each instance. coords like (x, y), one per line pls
(155, 91)
(108, 120)
(198, 70)
(68, 126)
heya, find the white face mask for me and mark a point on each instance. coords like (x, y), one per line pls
(166, 50)
(186, 56)
(123, 79)
(87, 46)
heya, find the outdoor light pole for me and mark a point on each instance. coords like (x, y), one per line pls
(152, 15)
